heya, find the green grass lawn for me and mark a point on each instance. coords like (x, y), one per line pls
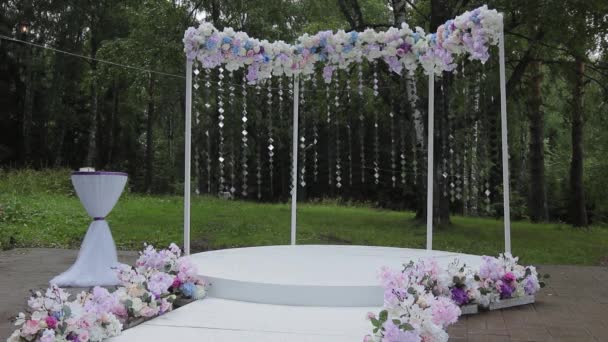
(45, 219)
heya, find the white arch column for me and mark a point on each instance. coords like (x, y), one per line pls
(294, 158)
(187, 157)
(504, 143)
(430, 155)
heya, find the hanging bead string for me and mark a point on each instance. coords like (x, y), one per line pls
(376, 136)
(270, 137)
(414, 164)
(291, 175)
(207, 96)
(337, 125)
(487, 152)
(220, 103)
(328, 103)
(197, 122)
(232, 162)
(444, 157)
(361, 121)
(315, 139)
(402, 141)
(393, 154)
(258, 149)
(302, 133)
(244, 119)
(465, 137)
(349, 131)
(280, 95)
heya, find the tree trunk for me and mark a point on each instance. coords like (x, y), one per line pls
(149, 136)
(411, 93)
(578, 213)
(538, 194)
(441, 204)
(91, 159)
(112, 122)
(28, 105)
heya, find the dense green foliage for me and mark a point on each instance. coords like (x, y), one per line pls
(58, 110)
(39, 209)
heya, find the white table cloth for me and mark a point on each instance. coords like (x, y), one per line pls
(98, 191)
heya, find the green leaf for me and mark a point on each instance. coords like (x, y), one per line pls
(383, 316)
(406, 327)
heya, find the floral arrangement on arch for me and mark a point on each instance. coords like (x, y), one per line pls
(401, 48)
(146, 290)
(423, 299)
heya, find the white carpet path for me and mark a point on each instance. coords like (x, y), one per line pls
(223, 320)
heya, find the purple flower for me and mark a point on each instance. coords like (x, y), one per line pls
(392, 333)
(328, 71)
(252, 73)
(460, 296)
(531, 285)
(506, 291)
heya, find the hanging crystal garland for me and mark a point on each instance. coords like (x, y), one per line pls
(402, 142)
(444, 157)
(197, 122)
(315, 138)
(244, 119)
(208, 155)
(376, 137)
(280, 97)
(220, 104)
(337, 124)
(349, 131)
(328, 103)
(207, 135)
(270, 136)
(414, 164)
(302, 133)
(259, 148)
(361, 121)
(393, 161)
(291, 175)
(232, 162)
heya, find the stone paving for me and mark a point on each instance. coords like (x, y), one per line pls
(573, 307)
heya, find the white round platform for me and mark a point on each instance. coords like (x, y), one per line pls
(309, 275)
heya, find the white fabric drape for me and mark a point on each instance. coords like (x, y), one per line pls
(98, 192)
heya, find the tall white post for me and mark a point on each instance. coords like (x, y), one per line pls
(187, 142)
(505, 145)
(294, 158)
(430, 171)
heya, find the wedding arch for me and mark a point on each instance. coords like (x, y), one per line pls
(403, 49)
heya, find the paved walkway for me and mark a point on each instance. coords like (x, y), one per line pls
(573, 307)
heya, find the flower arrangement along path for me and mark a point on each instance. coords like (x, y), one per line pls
(573, 307)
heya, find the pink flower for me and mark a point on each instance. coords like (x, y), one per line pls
(186, 270)
(84, 336)
(445, 312)
(51, 322)
(509, 277)
(31, 327)
(371, 315)
(176, 283)
(149, 312)
(165, 306)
